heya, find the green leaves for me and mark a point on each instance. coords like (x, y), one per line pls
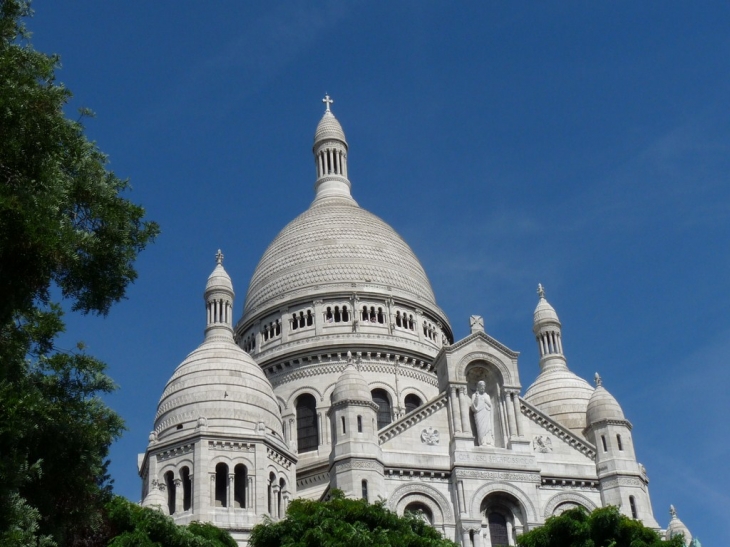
(345, 522)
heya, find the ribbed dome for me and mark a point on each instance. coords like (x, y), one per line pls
(562, 395)
(544, 312)
(331, 246)
(219, 280)
(221, 383)
(351, 386)
(329, 128)
(155, 499)
(603, 406)
(677, 527)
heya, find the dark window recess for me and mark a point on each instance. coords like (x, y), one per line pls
(307, 432)
(412, 402)
(498, 529)
(380, 398)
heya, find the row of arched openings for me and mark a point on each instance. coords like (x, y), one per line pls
(222, 496)
(619, 443)
(307, 421)
(275, 496)
(336, 315)
(172, 486)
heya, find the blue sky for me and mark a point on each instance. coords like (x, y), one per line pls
(582, 145)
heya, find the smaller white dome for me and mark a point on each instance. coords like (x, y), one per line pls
(544, 312)
(155, 499)
(351, 386)
(329, 129)
(677, 527)
(603, 406)
(219, 280)
(563, 396)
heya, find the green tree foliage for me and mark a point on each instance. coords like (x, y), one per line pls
(604, 527)
(64, 223)
(345, 522)
(133, 526)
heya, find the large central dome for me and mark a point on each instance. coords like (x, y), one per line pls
(335, 245)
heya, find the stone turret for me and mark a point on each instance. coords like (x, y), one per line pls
(356, 459)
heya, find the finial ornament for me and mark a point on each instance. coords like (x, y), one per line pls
(219, 257)
(328, 101)
(598, 380)
(673, 511)
(540, 290)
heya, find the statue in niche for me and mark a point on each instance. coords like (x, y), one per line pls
(481, 406)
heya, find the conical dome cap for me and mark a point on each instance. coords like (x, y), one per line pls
(544, 312)
(219, 280)
(329, 129)
(351, 386)
(677, 527)
(603, 405)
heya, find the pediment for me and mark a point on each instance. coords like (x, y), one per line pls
(549, 425)
(413, 418)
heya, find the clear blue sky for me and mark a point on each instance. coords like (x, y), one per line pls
(582, 145)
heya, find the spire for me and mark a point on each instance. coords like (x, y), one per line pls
(548, 333)
(330, 156)
(219, 301)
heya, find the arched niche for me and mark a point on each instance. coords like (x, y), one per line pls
(489, 373)
(567, 500)
(407, 494)
(503, 518)
(506, 491)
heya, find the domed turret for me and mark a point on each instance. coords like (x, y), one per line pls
(218, 381)
(677, 527)
(557, 391)
(603, 406)
(156, 499)
(351, 385)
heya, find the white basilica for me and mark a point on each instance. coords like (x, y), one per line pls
(343, 372)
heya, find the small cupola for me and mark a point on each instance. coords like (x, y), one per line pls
(351, 386)
(677, 527)
(330, 157)
(548, 333)
(603, 406)
(219, 301)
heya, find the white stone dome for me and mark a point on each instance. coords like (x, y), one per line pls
(329, 129)
(336, 245)
(562, 395)
(351, 386)
(156, 500)
(219, 280)
(544, 313)
(603, 406)
(677, 527)
(222, 384)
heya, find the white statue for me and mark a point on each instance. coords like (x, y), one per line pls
(481, 406)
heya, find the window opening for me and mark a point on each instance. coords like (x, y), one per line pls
(605, 446)
(412, 402)
(307, 431)
(345, 315)
(618, 441)
(359, 424)
(380, 398)
(344, 429)
(309, 318)
(632, 503)
(170, 485)
(328, 317)
(365, 490)
(221, 485)
(187, 485)
(397, 319)
(498, 529)
(239, 486)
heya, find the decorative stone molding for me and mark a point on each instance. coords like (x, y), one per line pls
(174, 452)
(488, 339)
(358, 464)
(567, 497)
(571, 483)
(623, 481)
(558, 430)
(278, 457)
(430, 436)
(542, 444)
(497, 459)
(468, 359)
(231, 446)
(409, 491)
(417, 474)
(412, 418)
(497, 475)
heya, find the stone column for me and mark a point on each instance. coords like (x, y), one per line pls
(465, 539)
(455, 412)
(250, 498)
(478, 537)
(318, 317)
(285, 325)
(179, 495)
(419, 324)
(510, 538)
(487, 537)
(275, 501)
(257, 335)
(465, 403)
(511, 414)
(518, 414)
(230, 490)
(212, 489)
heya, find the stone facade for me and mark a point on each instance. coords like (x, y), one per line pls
(343, 373)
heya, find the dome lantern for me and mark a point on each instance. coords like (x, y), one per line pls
(330, 157)
(219, 301)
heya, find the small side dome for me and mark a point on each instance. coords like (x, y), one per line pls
(603, 405)
(156, 500)
(219, 280)
(677, 527)
(329, 128)
(351, 386)
(562, 395)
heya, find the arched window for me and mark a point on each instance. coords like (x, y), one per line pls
(344, 428)
(170, 485)
(294, 322)
(239, 486)
(338, 317)
(307, 432)
(365, 490)
(380, 398)
(618, 441)
(328, 317)
(411, 323)
(221, 485)
(420, 510)
(270, 492)
(381, 316)
(498, 529)
(359, 424)
(412, 402)
(187, 485)
(345, 314)
(632, 503)
(603, 440)
(310, 321)
(398, 322)
(280, 498)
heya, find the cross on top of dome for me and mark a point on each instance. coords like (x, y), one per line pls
(540, 290)
(328, 101)
(219, 257)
